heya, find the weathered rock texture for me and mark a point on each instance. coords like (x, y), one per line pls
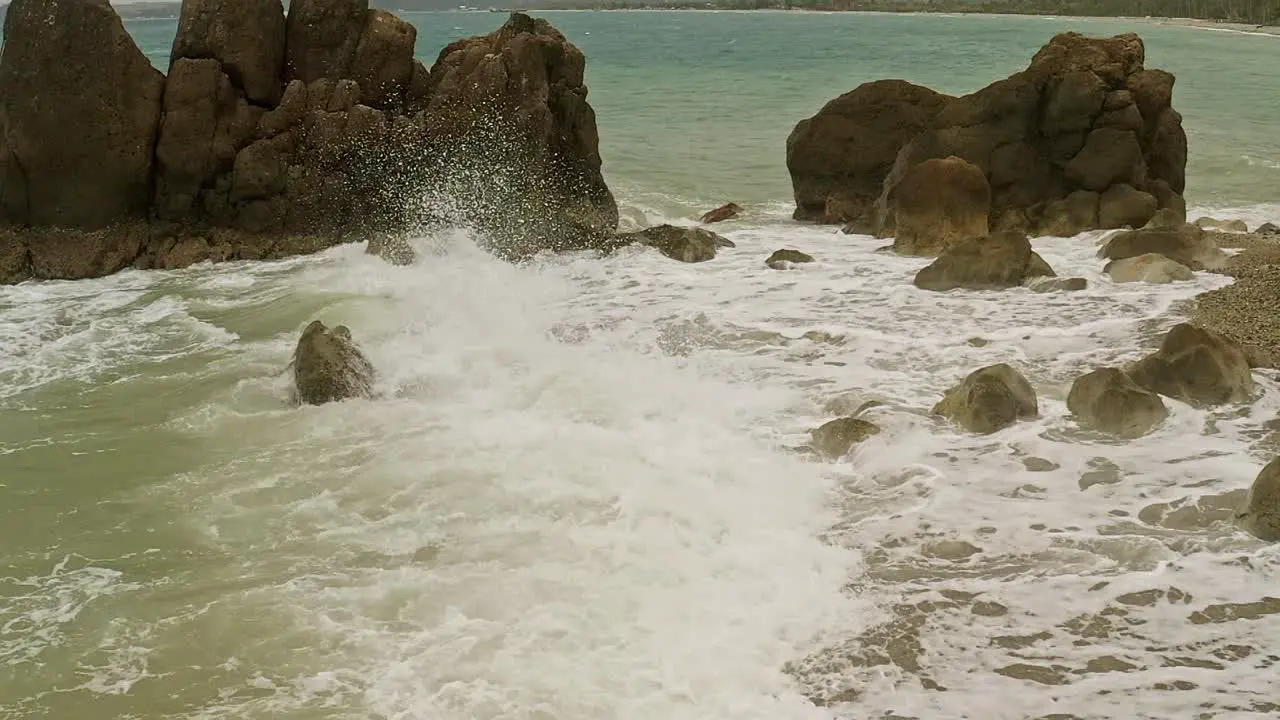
(1003, 260)
(1197, 366)
(277, 135)
(1110, 401)
(834, 439)
(785, 258)
(989, 399)
(938, 204)
(1186, 245)
(328, 366)
(1261, 514)
(1084, 136)
(686, 244)
(1149, 268)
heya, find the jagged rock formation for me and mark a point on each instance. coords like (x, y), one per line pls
(275, 135)
(1084, 137)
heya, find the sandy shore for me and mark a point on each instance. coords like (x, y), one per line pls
(1273, 30)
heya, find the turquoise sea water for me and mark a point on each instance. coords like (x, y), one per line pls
(577, 498)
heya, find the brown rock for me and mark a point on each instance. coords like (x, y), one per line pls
(328, 366)
(384, 63)
(67, 254)
(1003, 260)
(691, 245)
(1074, 214)
(989, 399)
(785, 258)
(835, 439)
(289, 113)
(1196, 366)
(722, 213)
(1261, 514)
(937, 204)
(1150, 268)
(509, 112)
(1235, 226)
(846, 150)
(1187, 245)
(15, 260)
(321, 38)
(1123, 206)
(247, 37)
(79, 107)
(1110, 401)
(1076, 119)
(1057, 284)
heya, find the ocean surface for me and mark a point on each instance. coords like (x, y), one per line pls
(579, 497)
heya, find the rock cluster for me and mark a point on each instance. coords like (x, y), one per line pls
(1086, 137)
(1197, 366)
(275, 134)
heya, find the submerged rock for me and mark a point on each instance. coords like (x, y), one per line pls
(989, 399)
(686, 244)
(785, 258)
(1267, 229)
(1150, 268)
(1186, 245)
(1003, 260)
(722, 213)
(1196, 366)
(328, 366)
(1261, 514)
(1110, 401)
(836, 438)
(1057, 284)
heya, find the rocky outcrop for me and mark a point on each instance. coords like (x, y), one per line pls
(1186, 245)
(720, 214)
(1261, 514)
(1110, 401)
(783, 259)
(834, 439)
(686, 244)
(938, 204)
(1002, 260)
(838, 158)
(989, 399)
(328, 366)
(1197, 366)
(1150, 268)
(1085, 116)
(273, 135)
(79, 108)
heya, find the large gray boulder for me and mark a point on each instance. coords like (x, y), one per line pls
(246, 37)
(79, 107)
(328, 366)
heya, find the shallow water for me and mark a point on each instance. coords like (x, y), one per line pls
(580, 494)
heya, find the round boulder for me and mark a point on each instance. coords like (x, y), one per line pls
(1110, 401)
(1196, 366)
(1150, 268)
(937, 204)
(328, 366)
(1187, 245)
(1261, 515)
(989, 399)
